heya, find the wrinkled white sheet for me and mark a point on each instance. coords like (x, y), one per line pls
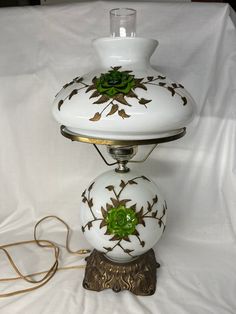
(42, 173)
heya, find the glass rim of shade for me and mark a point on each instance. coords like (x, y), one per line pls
(123, 12)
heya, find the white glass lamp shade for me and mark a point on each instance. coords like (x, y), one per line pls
(125, 99)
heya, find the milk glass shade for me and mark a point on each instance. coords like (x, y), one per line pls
(125, 98)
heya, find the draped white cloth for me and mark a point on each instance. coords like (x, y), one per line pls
(42, 173)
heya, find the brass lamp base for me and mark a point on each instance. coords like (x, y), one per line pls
(138, 276)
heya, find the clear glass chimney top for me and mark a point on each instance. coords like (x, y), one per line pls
(123, 22)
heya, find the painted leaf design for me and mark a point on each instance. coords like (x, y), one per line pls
(174, 85)
(116, 68)
(171, 90)
(113, 110)
(142, 222)
(149, 207)
(60, 103)
(84, 200)
(74, 92)
(131, 94)
(142, 243)
(127, 71)
(78, 79)
(132, 182)
(140, 213)
(108, 206)
(123, 202)
(94, 79)
(161, 77)
(67, 84)
(164, 210)
(83, 229)
(90, 203)
(136, 233)
(90, 225)
(123, 114)
(128, 251)
(133, 207)
(110, 187)
(139, 85)
(161, 84)
(102, 224)
(94, 94)
(184, 100)
(109, 249)
(115, 202)
(96, 117)
(144, 101)
(70, 83)
(150, 78)
(83, 194)
(154, 214)
(91, 87)
(114, 238)
(155, 199)
(138, 80)
(160, 223)
(104, 212)
(122, 184)
(145, 178)
(120, 98)
(101, 100)
(91, 186)
(126, 239)
(180, 85)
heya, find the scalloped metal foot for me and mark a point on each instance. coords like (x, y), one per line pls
(138, 276)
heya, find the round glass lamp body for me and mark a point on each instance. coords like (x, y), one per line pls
(122, 214)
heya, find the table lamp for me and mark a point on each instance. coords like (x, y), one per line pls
(123, 104)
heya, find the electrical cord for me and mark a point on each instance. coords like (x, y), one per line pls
(48, 273)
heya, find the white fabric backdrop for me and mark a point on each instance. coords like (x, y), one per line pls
(42, 173)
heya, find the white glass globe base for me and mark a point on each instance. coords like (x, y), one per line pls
(122, 215)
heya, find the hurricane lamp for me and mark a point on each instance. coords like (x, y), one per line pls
(123, 104)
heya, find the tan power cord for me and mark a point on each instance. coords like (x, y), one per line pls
(48, 273)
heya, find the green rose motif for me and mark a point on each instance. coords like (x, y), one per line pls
(115, 82)
(121, 221)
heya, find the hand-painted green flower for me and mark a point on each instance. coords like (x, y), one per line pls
(115, 82)
(121, 221)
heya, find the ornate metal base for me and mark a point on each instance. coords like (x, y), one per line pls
(138, 276)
